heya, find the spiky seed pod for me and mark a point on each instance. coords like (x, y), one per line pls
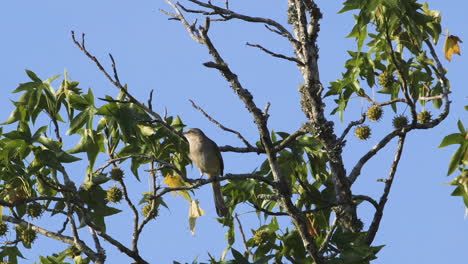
(386, 79)
(424, 117)
(362, 132)
(28, 236)
(261, 236)
(3, 228)
(114, 194)
(400, 122)
(73, 251)
(146, 211)
(116, 174)
(34, 210)
(374, 113)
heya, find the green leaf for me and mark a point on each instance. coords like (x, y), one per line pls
(26, 86)
(33, 76)
(238, 257)
(451, 139)
(78, 122)
(456, 159)
(18, 114)
(461, 127)
(12, 253)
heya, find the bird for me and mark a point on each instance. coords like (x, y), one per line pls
(206, 155)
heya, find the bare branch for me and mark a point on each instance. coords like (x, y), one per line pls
(200, 182)
(221, 126)
(31, 199)
(64, 226)
(241, 230)
(367, 199)
(430, 98)
(134, 255)
(229, 14)
(150, 100)
(146, 220)
(281, 56)
(65, 239)
(134, 212)
(100, 250)
(122, 88)
(179, 16)
(228, 148)
(383, 200)
(363, 160)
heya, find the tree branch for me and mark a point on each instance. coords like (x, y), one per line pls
(65, 239)
(200, 182)
(281, 56)
(351, 125)
(383, 199)
(247, 144)
(116, 82)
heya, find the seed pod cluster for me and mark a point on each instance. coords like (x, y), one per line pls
(362, 132)
(424, 117)
(374, 113)
(116, 174)
(400, 122)
(114, 194)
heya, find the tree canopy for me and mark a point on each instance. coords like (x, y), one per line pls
(302, 175)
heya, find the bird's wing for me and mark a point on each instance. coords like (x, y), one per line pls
(220, 158)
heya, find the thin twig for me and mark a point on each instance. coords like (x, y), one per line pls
(241, 230)
(152, 209)
(277, 55)
(150, 100)
(367, 199)
(383, 199)
(135, 214)
(351, 125)
(429, 98)
(328, 236)
(122, 88)
(239, 135)
(64, 226)
(65, 239)
(200, 182)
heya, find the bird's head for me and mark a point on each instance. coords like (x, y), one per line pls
(193, 133)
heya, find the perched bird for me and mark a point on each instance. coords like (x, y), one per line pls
(205, 154)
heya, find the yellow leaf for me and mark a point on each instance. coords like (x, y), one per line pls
(451, 46)
(195, 211)
(175, 181)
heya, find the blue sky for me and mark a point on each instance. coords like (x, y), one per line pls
(421, 224)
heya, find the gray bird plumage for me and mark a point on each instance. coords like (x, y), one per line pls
(205, 154)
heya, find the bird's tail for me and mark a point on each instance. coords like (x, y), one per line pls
(221, 208)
